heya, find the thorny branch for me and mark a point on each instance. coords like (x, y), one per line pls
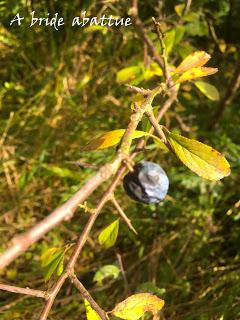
(117, 167)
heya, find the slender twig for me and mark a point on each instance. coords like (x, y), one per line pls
(27, 291)
(123, 151)
(86, 295)
(156, 125)
(123, 272)
(142, 91)
(164, 53)
(187, 7)
(143, 34)
(122, 214)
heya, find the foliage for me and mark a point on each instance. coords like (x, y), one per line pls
(62, 88)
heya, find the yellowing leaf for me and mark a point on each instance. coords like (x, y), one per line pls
(112, 138)
(91, 314)
(136, 305)
(196, 73)
(108, 236)
(198, 157)
(194, 60)
(208, 90)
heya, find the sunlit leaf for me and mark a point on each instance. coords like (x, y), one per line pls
(194, 60)
(53, 266)
(108, 236)
(112, 138)
(128, 74)
(90, 313)
(136, 305)
(198, 157)
(105, 272)
(179, 8)
(52, 260)
(208, 90)
(49, 255)
(169, 40)
(195, 73)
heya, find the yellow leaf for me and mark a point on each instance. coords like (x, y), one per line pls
(90, 313)
(194, 60)
(205, 161)
(196, 73)
(136, 305)
(112, 138)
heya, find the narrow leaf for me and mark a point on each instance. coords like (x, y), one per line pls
(136, 305)
(49, 255)
(112, 138)
(208, 90)
(198, 157)
(52, 267)
(196, 73)
(194, 60)
(105, 272)
(108, 236)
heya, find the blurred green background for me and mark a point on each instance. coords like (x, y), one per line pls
(61, 88)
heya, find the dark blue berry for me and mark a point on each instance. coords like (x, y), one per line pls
(147, 183)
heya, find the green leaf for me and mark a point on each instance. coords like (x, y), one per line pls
(127, 75)
(179, 8)
(179, 33)
(151, 288)
(111, 138)
(108, 236)
(205, 161)
(53, 266)
(52, 260)
(49, 255)
(136, 305)
(169, 40)
(208, 90)
(105, 272)
(90, 313)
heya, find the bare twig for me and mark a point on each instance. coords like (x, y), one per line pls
(86, 295)
(123, 272)
(142, 91)
(123, 151)
(143, 34)
(27, 291)
(187, 7)
(123, 215)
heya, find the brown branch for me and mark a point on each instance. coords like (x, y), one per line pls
(123, 151)
(123, 272)
(86, 295)
(134, 89)
(123, 215)
(27, 291)
(65, 212)
(143, 34)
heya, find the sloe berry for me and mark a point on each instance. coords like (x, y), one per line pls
(147, 183)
